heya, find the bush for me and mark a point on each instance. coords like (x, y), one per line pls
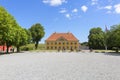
(103, 52)
(26, 48)
(29, 47)
(96, 51)
(116, 49)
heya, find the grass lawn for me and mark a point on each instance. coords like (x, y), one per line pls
(41, 48)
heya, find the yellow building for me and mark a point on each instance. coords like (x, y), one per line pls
(62, 41)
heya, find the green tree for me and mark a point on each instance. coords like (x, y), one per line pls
(96, 38)
(7, 27)
(29, 36)
(21, 38)
(37, 32)
(114, 37)
(84, 44)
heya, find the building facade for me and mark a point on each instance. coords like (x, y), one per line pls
(62, 41)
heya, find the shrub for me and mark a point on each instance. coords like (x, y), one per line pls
(116, 49)
(29, 47)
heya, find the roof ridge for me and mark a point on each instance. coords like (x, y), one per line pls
(68, 36)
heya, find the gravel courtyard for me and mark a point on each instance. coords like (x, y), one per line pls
(59, 66)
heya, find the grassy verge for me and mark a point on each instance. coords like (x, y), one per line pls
(103, 51)
(31, 47)
(41, 48)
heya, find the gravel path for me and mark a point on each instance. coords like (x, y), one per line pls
(59, 66)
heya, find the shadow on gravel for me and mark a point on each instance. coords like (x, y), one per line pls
(112, 54)
(4, 53)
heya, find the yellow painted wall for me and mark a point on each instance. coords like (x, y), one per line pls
(50, 45)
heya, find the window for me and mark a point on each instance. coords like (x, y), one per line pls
(51, 43)
(59, 43)
(67, 47)
(59, 47)
(55, 47)
(47, 47)
(67, 43)
(55, 43)
(75, 47)
(75, 43)
(51, 47)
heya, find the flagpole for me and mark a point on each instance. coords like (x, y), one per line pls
(106, 38)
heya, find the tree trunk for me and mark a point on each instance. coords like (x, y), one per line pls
(3, 47)
(36, 45)
(117, 50)
(18, 49)
(7, 49)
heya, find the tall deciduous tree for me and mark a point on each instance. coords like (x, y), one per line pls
(96, 38)
(37, 32)
(29, 36)
(7, 27)
(21, 38)
(114, 37)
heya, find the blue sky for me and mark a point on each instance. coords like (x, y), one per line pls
(76, 16)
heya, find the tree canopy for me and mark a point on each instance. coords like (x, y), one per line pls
(21, 38)
(8, 26)
(37, 32)
(114, 37)
(10, 31)
(96, 38)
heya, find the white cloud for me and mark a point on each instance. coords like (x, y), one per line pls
(108, 12)
(108, 7)
(67, 16)
(117, 8)
(75, 10)
(70, 14)
(63, 10)
(94, 2)
(54, 2)
(84, 8)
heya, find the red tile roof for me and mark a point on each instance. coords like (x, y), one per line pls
(68, 36)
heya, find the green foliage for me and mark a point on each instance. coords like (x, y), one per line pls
(84, 44)
(8, 26)
(114, 37)
(37, 32)
(21, 38)
(29, 47)
(28, 35)
(10, 32)
(116, 49)
(96, 38)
